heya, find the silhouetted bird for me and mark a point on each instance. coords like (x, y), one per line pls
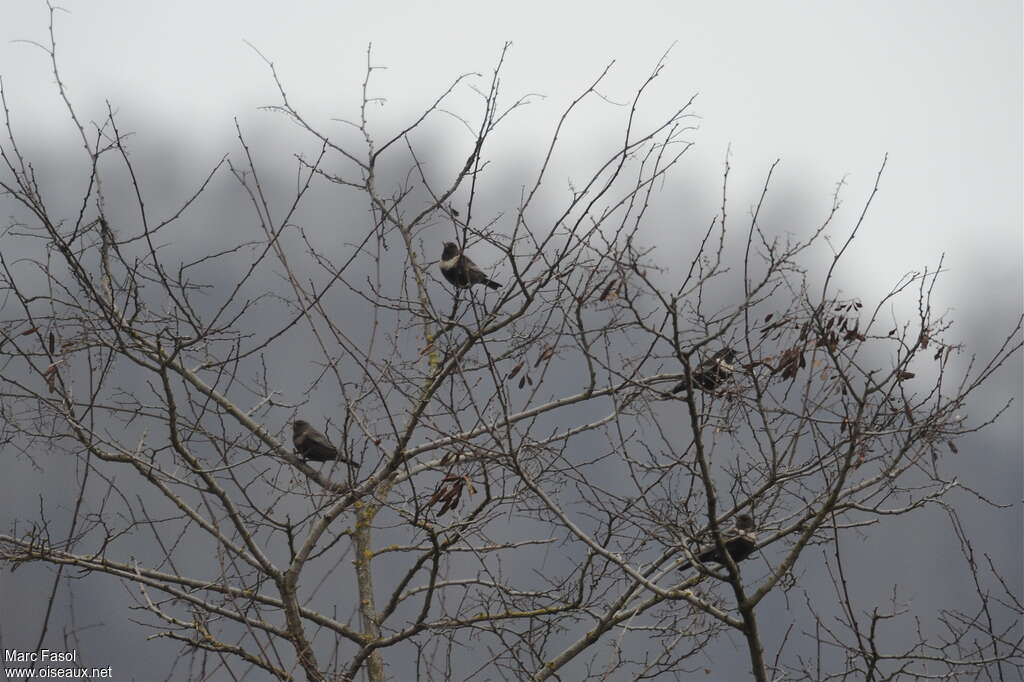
(312, 444)
(460, 271)
(711, 373)
(740, 541)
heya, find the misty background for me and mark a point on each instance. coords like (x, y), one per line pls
(828, 89)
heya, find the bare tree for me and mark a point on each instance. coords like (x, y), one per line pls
(527, 486)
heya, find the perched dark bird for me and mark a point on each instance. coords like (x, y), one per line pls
(712, 372)
(312, 444)
(460, 271)
(740, 541)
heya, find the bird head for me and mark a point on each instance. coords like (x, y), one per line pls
(745, 522)
(451, 249)
(298, 425)
(728, 355)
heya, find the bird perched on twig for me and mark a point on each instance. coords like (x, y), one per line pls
(712, 372)
(740, 542)
(460, 271)
(312, 444)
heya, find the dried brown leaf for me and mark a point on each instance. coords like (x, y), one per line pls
(790, 362)
(438, 494)
(608, 289)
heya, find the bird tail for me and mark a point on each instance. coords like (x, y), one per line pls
(492, 284)
(680, 387)
(686, 565)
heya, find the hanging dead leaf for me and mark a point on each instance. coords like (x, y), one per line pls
(441, 491)
(51, 377)
(545, 355)
(608, 289)
(790, 363)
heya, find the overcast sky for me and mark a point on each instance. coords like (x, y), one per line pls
(829, 88)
